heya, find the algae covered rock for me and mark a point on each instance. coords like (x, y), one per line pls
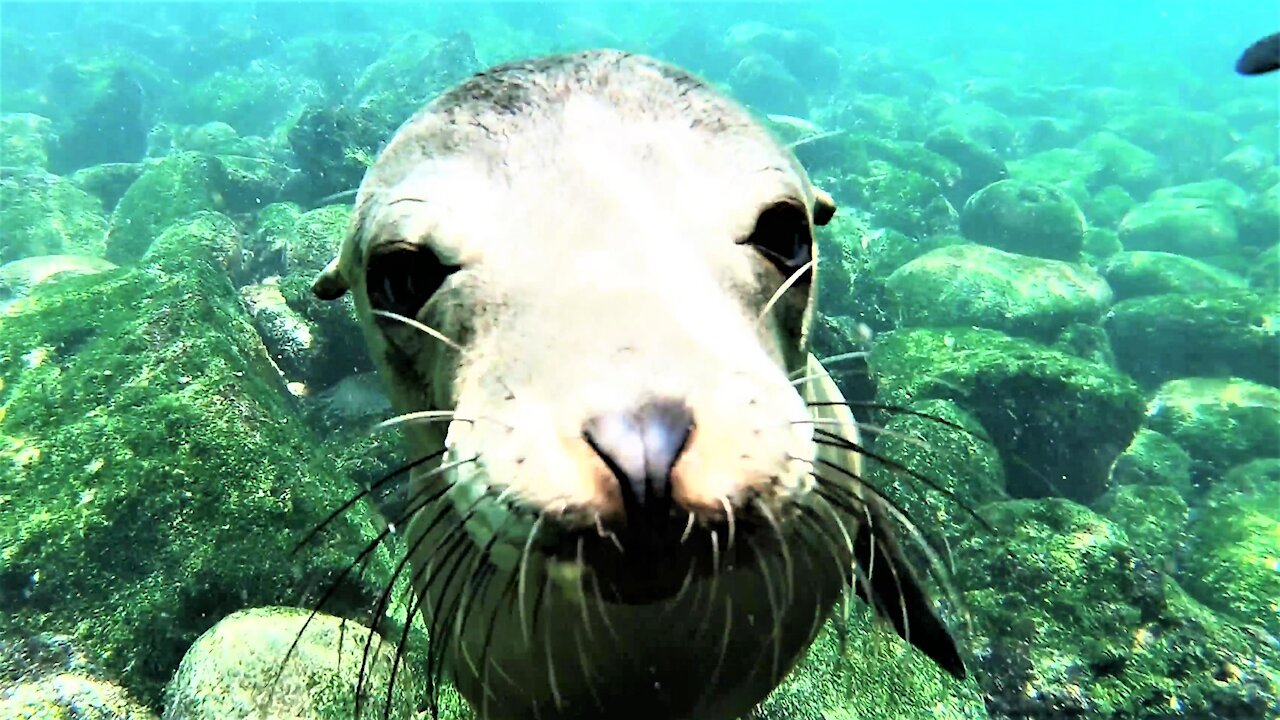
(1106, 208)
(168, 190)
(1221, 333)
(1153, 517)
(1122, 163)
(1184, 225)
(1071, 620)
(980, 286)
(68, 696)
(1233, 562)
(1144, 272)
(979, 164)
(19, 277)
(108, 182)
(1058, 421)
(857, 669)
(1265, 274)
(237, 669)
(906, 200)
(1153, 459)
(158, 476)
(25, 139)
(43, 214)
(1025, 217)
(1220, 422)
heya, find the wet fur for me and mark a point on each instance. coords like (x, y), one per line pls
(596, 204)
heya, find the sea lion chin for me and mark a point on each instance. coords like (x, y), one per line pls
(587, 282)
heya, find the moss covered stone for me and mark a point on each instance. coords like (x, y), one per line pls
(858, 669)
(1222, 333)
(1106, 207)
(68, 696)
(1218, 190)
(937, 462)
(25, 139)
(979, 165)
(1184, 225)
(1153, 517)
(156, 475)
(1145, 272)
(1220, 422)
(168, 190)
(43, 214)
(1265, 273)
(1071, 620)
(1059, 421)
(1153, 459)
(1122, 163)
(906, 200)
(1030, 218)
(237, 669)
(19, 277)
(980, 286)
(108, 181)
(1259, 221)
(1233, 562)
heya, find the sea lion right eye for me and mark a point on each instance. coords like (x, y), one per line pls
(403, 277)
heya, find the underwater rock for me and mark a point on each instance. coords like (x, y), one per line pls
(1250, 166)
(1219, 422)
(254, 99)
(1087, 341)
(763, 83)
(236, 669)
(1064, 167)
(906, 200)
(1106, 208)
(1259, 221)
(332, 147)
(25, 139)
(267, 247)
(980, 122)
(413, 70)
(43, 214)
(1265, 273)
(70, 696)
(111, 130)
(1187, 141)
(19, 277)
(1100, 244)
(1222, 333)
(287, 336)
(1153, 459)
(1184, 225)
(980, 286)
(158, 474)
(168, 190)
(856, 669)
(108, 181)
(252, 183)
(1153, 518)
(1058, 421)
(1144, 272)
(1120, 162)
(1223, 192)
(936, 461)
(884, 118)
(1231, 563)
(1023, 217)
(979, 165)
(1071, 619)
(801, 52)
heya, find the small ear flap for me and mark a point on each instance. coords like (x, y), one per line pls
(823, 207)
(329, 284)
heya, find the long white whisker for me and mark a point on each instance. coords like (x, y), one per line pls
(415, 324)
(783, 288)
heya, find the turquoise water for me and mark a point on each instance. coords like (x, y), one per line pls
(1049, 294)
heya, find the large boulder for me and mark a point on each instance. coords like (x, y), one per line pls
(1030, 218)
(1208, 334)
(158, 474)
(1219, 422)
(1144, 272)
(1059, 421)
(43, 214)
(980, 286)
(168, 190)
(1184, 225)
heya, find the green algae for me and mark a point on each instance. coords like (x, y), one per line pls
(1030, 218)
(1059, 421)
(168, 190)
(1144, 272)
(1219, 422)
(1153, 459)
(159, 475)
(43, 214)
(980, 286)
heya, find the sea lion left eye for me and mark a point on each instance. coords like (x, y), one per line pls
(402, 279)
(782, 235)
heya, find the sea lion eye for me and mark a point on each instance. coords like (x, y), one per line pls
(782, 235)
(403, 277)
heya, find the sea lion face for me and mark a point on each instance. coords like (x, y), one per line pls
(601, 277)
(603, 270)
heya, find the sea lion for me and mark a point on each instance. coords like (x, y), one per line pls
(587, 281)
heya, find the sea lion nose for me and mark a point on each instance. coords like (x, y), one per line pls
(641, 448)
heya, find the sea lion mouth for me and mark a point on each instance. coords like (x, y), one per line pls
(657, 562)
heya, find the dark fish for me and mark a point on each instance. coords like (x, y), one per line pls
(1261, 57)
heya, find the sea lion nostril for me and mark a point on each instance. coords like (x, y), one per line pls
(641, 449)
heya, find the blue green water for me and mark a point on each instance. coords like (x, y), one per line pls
(1057, 237)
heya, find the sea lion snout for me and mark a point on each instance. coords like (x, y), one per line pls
(641, 448)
